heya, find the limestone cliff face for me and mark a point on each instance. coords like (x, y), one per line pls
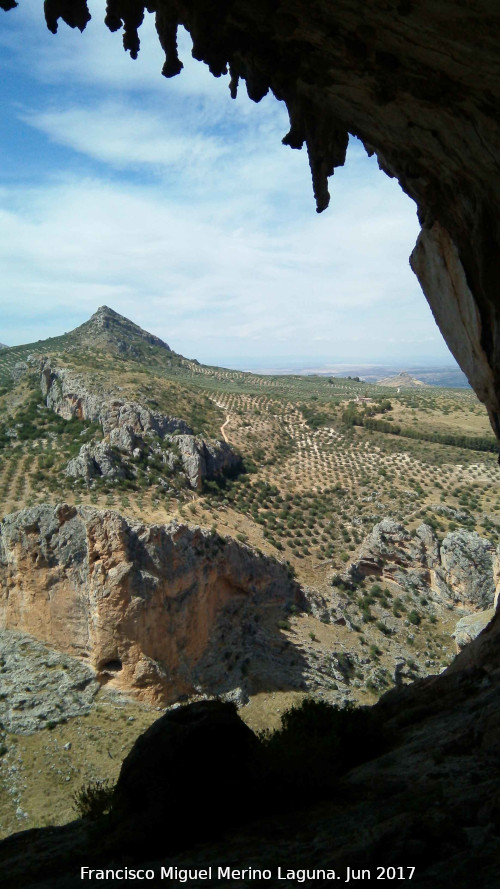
(162, 610)
(202, 458)
(68, 394)
(462, 569)
(133, 429)
(94, 460)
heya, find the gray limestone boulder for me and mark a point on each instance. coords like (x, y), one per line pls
(19, 371)
(39, 686)
(96, 459)
(203, 458)
(464, 569)
(467, 562)
(470, 626)
(123, 438)
(426, 546)
(139, 419)
(390, 545)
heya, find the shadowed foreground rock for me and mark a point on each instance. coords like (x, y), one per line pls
(432, 801)
(193, 774)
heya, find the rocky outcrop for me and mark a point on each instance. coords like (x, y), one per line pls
(461, 569)
(96, 459)
(403, 380)
(116, 333)
(390, 546)
(467, 562)
(205, 459)
(68, 395)
(131, 428)
(19, 371)
(40, 687)
(161, 610)
(470, 626)
(197, 458)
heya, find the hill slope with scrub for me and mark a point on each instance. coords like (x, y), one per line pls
(378, 502)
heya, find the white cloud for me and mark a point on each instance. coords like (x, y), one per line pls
(196, 276)
(123, 135)
(190, 217)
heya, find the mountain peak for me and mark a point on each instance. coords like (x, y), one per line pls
(105, 310)
(108, 328)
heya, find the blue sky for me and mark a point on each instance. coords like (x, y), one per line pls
(180, 208)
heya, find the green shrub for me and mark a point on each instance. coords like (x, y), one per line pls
(93, 799)
(284, 625)
(366, 614)
(317, 742)
(383, 628)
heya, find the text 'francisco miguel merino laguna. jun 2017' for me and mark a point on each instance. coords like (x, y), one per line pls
(224, 873)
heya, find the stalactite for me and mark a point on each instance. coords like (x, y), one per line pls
(166, 26)
(74, 12)
(326, 149)
(130, 14)
(233, 83)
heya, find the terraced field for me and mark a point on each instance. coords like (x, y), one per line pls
(323, 461)
(314, 482)
(316, 491)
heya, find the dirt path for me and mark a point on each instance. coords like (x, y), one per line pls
(222, 429)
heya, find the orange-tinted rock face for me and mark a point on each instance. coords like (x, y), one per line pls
(160, 610)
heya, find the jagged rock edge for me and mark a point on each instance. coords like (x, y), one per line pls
(326, 141)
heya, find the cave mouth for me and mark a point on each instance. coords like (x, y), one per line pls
(112, 666)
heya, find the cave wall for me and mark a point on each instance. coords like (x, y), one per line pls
(417, 82)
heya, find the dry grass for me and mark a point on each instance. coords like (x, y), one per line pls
(38, 776)
(309, 497)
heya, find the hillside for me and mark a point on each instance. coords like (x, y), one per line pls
(105, 335)
(403, 379)
(377, 501)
